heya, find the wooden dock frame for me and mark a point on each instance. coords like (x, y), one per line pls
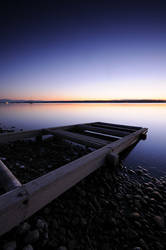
(22, 201)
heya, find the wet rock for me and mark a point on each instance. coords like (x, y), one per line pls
(132, 234)
(32, 236)
(135, 215)
(149, 189)
(62, 248)
(24, 228)
(143, 244)
(137, 248)
(3, 158)
(72, 244)
(139, 172)
(42, 225)
(159, 221)
(28, 247)
(157, 195)
(131, 171)
(10, 245)
(22, 166)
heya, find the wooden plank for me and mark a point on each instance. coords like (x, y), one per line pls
(7, 180)
(118, 125)
(82, 139)
(21, 203)
(122, 144)
(114, 127)
(9, 137)
(100, 136)
(115, 132)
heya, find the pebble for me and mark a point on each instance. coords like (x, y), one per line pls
(62, 248)
(135, 215)
(10, 245)
(24, 228)
(157, 195)
(159, 221)
(28, 247)
(32, 236)
(103, 211)
(42, 225)
(22, 166)
(3, 158)
(137, 248)
(131, 171)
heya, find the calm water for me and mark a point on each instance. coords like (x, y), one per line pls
(150, 153)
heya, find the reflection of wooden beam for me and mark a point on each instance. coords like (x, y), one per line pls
(21, 203)
(7, 180)
(115, 132)
(83, 139)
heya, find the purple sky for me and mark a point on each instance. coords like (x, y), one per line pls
(57, 50)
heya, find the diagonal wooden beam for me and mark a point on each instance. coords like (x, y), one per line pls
(21, 203)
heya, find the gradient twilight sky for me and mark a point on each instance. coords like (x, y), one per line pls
(63, 50)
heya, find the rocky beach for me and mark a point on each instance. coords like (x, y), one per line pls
(111, 209)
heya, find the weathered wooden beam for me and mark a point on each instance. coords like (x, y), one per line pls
(7, 180)
(122, 144)
(82, 139)
(21, 135)
(21, 203)
(118, 125)
(115, 132)
(114, 127)
(100, 136)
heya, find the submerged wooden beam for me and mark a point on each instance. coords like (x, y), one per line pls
(117, 125)
(82, 139)
(7, 180)
(107, 131)
(21, 203)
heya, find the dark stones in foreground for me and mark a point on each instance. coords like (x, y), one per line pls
(106, 210)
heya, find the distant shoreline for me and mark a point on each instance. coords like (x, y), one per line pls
(84, 101)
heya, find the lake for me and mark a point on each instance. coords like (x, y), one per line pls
(150, 153)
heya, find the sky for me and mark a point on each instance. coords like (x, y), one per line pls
(79, 50)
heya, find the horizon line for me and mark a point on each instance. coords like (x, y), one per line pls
(84, 100)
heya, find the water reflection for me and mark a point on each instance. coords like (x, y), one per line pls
(151, 152)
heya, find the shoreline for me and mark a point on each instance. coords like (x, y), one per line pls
(109, 209)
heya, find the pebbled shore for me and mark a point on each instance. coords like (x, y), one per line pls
(122, 209)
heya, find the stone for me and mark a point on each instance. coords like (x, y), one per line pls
(24, 228)
(130, 171)
(62, 248)
(157, 195)
(159, 221)
(135, 215)
(143, 244)
(3, 158)
(10, 245)
(28, 247)
(149, 189)
(49, 166)
(139, 172)
(42, 225)
(22, 166)
(32, 236)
